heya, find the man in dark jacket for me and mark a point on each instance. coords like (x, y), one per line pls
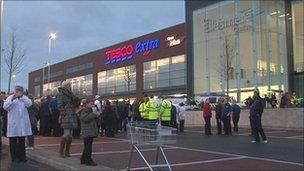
(236, 110)
(226, 116)
(54, 117)
(45, 117)
(256, 111)
(218, 115)
(110, 118)
(3, 115)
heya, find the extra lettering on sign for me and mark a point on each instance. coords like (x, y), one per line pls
(127, 52)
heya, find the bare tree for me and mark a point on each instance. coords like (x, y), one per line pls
(14, 57)
(128, 78)
(227, 64)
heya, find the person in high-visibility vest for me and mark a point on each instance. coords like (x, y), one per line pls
(143, 109)
(152, 109)
(165, 111)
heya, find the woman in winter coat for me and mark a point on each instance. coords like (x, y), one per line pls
(207, 116)
(67, 102)
(89, 130)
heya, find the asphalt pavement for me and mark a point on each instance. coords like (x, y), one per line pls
(30, 165)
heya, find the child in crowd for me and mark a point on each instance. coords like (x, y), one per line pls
(88, 114)
(33, 112)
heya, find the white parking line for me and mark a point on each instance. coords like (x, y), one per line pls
(267, 132)
(237, 155)
(296, 136)
(229, 154)
(112, 138)
(52, 145)
(123, 151)
(193, 163)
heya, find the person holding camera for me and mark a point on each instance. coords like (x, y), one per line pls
(89, 129)
(18, 123)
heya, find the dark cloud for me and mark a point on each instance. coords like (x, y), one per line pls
(82, 26)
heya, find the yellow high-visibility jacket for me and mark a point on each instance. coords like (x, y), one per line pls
(152, 109)
(143, 111)
(165, 110)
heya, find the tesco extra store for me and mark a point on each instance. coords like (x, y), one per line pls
(153, 64)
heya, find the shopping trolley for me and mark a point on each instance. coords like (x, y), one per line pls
(146, 133)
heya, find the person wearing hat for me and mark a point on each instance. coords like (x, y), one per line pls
(18, 123)
(98, 105)
(256, 111)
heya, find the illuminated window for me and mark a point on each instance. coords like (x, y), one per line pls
(37, 91)
(82, 85)
(116, 80)
(165, 72)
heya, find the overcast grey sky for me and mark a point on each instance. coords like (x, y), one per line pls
(82, 26)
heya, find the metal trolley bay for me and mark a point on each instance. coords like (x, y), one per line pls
(146, 133)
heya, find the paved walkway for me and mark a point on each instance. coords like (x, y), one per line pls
(193, 151)
(30, 165)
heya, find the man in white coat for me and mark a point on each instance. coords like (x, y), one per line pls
(18, 123)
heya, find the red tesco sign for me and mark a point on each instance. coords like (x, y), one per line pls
(120, 52)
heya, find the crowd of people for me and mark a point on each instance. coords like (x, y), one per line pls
(70, 117)
(287, 100)
(225, 112)
(23, 116)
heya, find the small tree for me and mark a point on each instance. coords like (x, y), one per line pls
(227, 65)
(128, 78)
(14, 57)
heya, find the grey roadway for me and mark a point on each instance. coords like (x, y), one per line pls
(283, 149)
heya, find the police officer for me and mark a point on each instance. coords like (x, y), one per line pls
(165, 111)
(143, 110)
(226, 118)
(152, 109)
(256, 111)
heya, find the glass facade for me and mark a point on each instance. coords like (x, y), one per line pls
(53, 89)
(116, 80)
(167, 72)
(240, 46)
(298, 35)
(79, 67)
(83, 85)
(298, 44)
(37, 91)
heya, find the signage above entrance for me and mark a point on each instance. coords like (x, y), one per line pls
(126, 52)
(174, 40)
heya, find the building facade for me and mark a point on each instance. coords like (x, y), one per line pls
(237, 46)
(153, 64)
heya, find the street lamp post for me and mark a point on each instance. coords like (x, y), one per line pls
(1, 21)
(43, 73)
(52, 36)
